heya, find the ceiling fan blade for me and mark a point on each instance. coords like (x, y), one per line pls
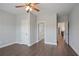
(35, 9)
(20, 6)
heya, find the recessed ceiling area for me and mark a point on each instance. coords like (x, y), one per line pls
(44, 8)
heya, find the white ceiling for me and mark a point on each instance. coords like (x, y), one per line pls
(44, 8)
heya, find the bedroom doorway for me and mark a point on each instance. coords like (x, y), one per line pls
(41, 30)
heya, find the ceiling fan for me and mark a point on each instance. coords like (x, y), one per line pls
(29, 7)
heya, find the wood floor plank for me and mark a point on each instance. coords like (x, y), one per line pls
(38, 49)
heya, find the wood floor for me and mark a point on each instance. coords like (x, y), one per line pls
(39, 49)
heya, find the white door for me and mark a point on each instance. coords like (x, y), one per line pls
(40, 31)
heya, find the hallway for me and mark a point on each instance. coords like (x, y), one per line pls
(63, 49)
(38, 49)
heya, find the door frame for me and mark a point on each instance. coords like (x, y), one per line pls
(68, 32)
(38, 29)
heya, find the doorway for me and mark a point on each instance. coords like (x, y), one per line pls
(41, 35)
(63, 31)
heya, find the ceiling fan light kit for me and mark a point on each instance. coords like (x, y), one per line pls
(28, 9)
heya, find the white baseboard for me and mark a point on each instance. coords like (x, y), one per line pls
(22, 43)
(74, 50)
(51, 43)
(33, 43)
(28, 44)
(5, 45)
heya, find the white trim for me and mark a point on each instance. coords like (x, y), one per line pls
(26, 44)
(5, 45)
(29, 43)
(74, 50)
(33, 43)
(22, 43)
(51, 43)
